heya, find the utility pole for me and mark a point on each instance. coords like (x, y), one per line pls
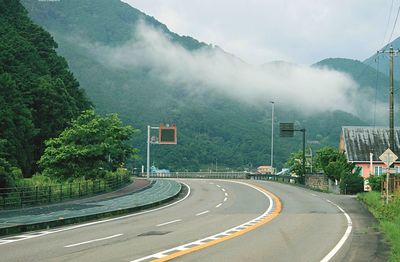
(392, 53)
(304, 151)
(272, 135)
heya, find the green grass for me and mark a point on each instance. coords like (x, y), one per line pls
(388, 217)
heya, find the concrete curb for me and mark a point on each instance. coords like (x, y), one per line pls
(62, 222)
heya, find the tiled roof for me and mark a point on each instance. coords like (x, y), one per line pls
(359, 141)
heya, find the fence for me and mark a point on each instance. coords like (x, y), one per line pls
(208, 175)
(20, 197)
(394, 185)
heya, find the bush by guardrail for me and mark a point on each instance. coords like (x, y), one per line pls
(19, 197)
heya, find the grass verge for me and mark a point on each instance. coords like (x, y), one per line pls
(388, 217)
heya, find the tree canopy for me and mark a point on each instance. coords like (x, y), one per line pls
(91, 146)
(39, 96)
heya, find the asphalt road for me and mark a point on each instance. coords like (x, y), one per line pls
(307, 229)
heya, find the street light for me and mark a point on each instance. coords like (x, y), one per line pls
(272, 135)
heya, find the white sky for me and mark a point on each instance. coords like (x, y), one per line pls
(299, 31)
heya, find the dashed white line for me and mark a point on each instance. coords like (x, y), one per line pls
(217, 206)
(94, 240)
(218, 186)
(4, 241)
(202, 213)
(225, 199)
(169, 222)
(223, 189)
(226, 194)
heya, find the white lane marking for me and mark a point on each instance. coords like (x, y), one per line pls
(94, 240)
(44, 233)
(313, 194)
(225, 199)
(344, 237)
(169, 222)
(218, 186)
(202, 213)
(217, 206)
(223, 189)
(218, 235)
(226, 194)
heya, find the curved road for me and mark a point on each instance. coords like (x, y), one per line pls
(307, 229)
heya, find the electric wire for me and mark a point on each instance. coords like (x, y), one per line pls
(388, 23)
(395, 23)
(376, 89)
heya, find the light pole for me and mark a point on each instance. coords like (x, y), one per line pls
(272, 135)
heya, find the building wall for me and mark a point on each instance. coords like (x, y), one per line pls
(365, 172)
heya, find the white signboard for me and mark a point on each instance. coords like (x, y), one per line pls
(388, 157)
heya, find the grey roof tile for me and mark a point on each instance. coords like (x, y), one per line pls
(361, 140)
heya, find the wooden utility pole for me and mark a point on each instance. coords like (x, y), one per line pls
(392, 53)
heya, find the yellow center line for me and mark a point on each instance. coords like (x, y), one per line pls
(274, 214)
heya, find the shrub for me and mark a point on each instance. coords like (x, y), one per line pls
(351, 184)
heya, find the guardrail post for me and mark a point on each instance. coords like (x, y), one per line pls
(86, 187)
(36, 194)
(21, 193)
(49, 195)
(61, 193)
(79, 189)
(70, 190)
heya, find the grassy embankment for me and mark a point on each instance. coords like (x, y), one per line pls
(388, 217)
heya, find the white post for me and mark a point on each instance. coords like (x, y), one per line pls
(148, 152)
(370, 163)
(272, 136)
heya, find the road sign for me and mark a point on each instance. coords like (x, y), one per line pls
(167, 134)
(286, 129)
(388, 157)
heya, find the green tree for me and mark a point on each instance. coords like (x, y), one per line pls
(295, 163)
(333, 163)
(92, 145)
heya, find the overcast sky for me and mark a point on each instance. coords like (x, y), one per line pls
(299, 31)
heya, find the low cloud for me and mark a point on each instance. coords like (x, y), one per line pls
(305, 88)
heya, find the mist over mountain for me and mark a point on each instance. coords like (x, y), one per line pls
(132, 64)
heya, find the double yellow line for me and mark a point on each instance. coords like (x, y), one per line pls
(274, 214)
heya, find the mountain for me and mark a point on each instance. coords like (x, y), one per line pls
(380, 61)
(38, 94)
(96, 36)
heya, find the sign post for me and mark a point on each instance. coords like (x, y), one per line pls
(388, 158)
(166, 136)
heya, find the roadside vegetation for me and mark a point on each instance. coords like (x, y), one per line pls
(53, 145)
(388, 217)
(333, 164)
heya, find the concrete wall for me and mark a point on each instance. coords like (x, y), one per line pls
(317, 181)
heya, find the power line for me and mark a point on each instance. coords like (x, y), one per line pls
(376, 88)
(394, 25)
(388, 22)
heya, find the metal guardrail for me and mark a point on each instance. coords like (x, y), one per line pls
(19, 197)
(208, 175)
(227, 175)
(280, 178)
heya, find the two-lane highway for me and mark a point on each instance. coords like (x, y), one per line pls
(217, 221)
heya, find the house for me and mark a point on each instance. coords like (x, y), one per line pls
(264, 170)
(363, 145)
